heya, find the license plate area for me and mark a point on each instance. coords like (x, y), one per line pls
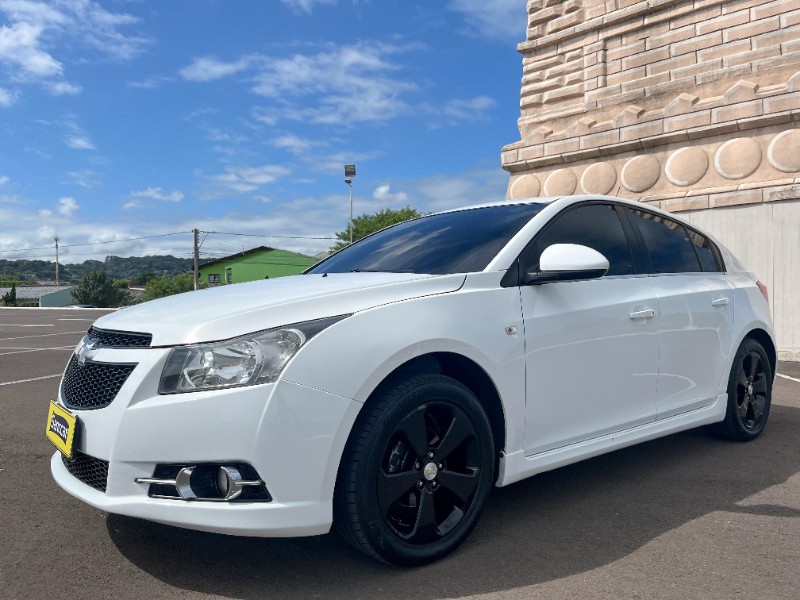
(61, 429)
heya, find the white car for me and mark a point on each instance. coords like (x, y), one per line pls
(386, 390)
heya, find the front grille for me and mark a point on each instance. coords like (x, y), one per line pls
(88, 469)
(93, 385)
(119, 339)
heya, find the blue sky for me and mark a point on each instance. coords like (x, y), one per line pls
(130, 118)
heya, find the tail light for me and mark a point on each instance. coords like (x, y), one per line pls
(763, 289)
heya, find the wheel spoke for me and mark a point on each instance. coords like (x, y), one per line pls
(461, 484)
(460, 429)
(415, 430)
(757, 412)
(741, 380)
(425, 526)
(392, 487)
(752, 361)
(760, 384)
(743, 406)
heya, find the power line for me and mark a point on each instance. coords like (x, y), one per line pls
(285, 237)
(144, 237)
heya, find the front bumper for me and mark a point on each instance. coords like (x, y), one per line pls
(291, 434)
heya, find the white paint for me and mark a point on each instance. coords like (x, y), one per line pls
(78, 320)
(26, 337)
(32, 379)
(37, 350)
(787, 377)
(25, 325)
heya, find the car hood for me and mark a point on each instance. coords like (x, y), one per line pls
(231, 310)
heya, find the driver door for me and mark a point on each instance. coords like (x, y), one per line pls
(591, 346)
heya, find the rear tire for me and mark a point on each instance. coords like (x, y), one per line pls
(749, 394)
(416, 471)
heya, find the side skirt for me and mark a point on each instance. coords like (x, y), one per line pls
(515, 467)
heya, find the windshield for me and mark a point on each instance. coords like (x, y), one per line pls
(456, 242)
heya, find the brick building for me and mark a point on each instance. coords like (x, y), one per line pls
(692, 106)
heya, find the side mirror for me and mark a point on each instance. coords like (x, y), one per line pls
(568, 262)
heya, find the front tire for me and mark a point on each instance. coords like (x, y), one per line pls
(416, 471)
(749, 394)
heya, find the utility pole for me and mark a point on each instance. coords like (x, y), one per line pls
(196, 253)
(56, 239)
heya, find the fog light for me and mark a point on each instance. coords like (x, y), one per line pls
(208, 482)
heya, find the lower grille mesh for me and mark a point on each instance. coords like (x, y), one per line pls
(88, 469)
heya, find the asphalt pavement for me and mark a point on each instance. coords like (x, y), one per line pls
(686, 516)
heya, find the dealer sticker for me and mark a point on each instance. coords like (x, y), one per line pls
(61, 429)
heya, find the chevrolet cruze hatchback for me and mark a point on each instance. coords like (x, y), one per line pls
(386, 390)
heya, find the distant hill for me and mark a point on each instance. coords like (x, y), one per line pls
(135, 267)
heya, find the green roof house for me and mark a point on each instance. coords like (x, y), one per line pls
(257, 263)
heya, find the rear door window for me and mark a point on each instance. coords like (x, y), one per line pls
(667, 242)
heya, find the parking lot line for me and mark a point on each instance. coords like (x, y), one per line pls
(25, 337)
(787, 377)
(37, 350)
(31, 379)
(26, 325)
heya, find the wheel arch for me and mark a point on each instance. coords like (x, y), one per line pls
(464, 370)
(763, 338)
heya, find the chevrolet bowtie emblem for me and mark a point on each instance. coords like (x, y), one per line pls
(86, 351)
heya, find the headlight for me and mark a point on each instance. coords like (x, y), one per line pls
(248, 360)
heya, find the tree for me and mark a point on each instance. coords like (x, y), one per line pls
(96, 288)
(10, 297)
(364, 225)
(159, 287)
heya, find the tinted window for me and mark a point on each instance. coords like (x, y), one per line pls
(705, 251)
(596, 226)
(457, 242)
(667, 242)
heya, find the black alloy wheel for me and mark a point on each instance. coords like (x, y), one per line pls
(416, 472)
(749, 394)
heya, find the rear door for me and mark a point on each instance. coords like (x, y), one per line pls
(696, 312)
(591, 346)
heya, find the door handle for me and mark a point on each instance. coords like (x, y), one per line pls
(646, 313)
(720, 301)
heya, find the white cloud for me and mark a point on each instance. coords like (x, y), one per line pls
(294, 144)
(248, 179)
(7, 98)
(84, 178)
(79, 142)
(307, 6)
(4, 179)
(156, 193)
(130, 205)
(67, 206)
(63, 88)
(34, 28)
(45, 232)
(45, 213)
(503, 20)
(352, 83)
(473, 108)
(209, 68)
(383, 194)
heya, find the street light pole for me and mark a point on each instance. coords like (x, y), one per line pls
(349, 175)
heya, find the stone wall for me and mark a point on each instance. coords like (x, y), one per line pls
(689, 105)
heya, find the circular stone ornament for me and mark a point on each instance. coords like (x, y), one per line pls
(686, 166)
(599, 178)
(737, 158)
(526, 186)
(784, 151)
(640, 173)
(560, 183)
